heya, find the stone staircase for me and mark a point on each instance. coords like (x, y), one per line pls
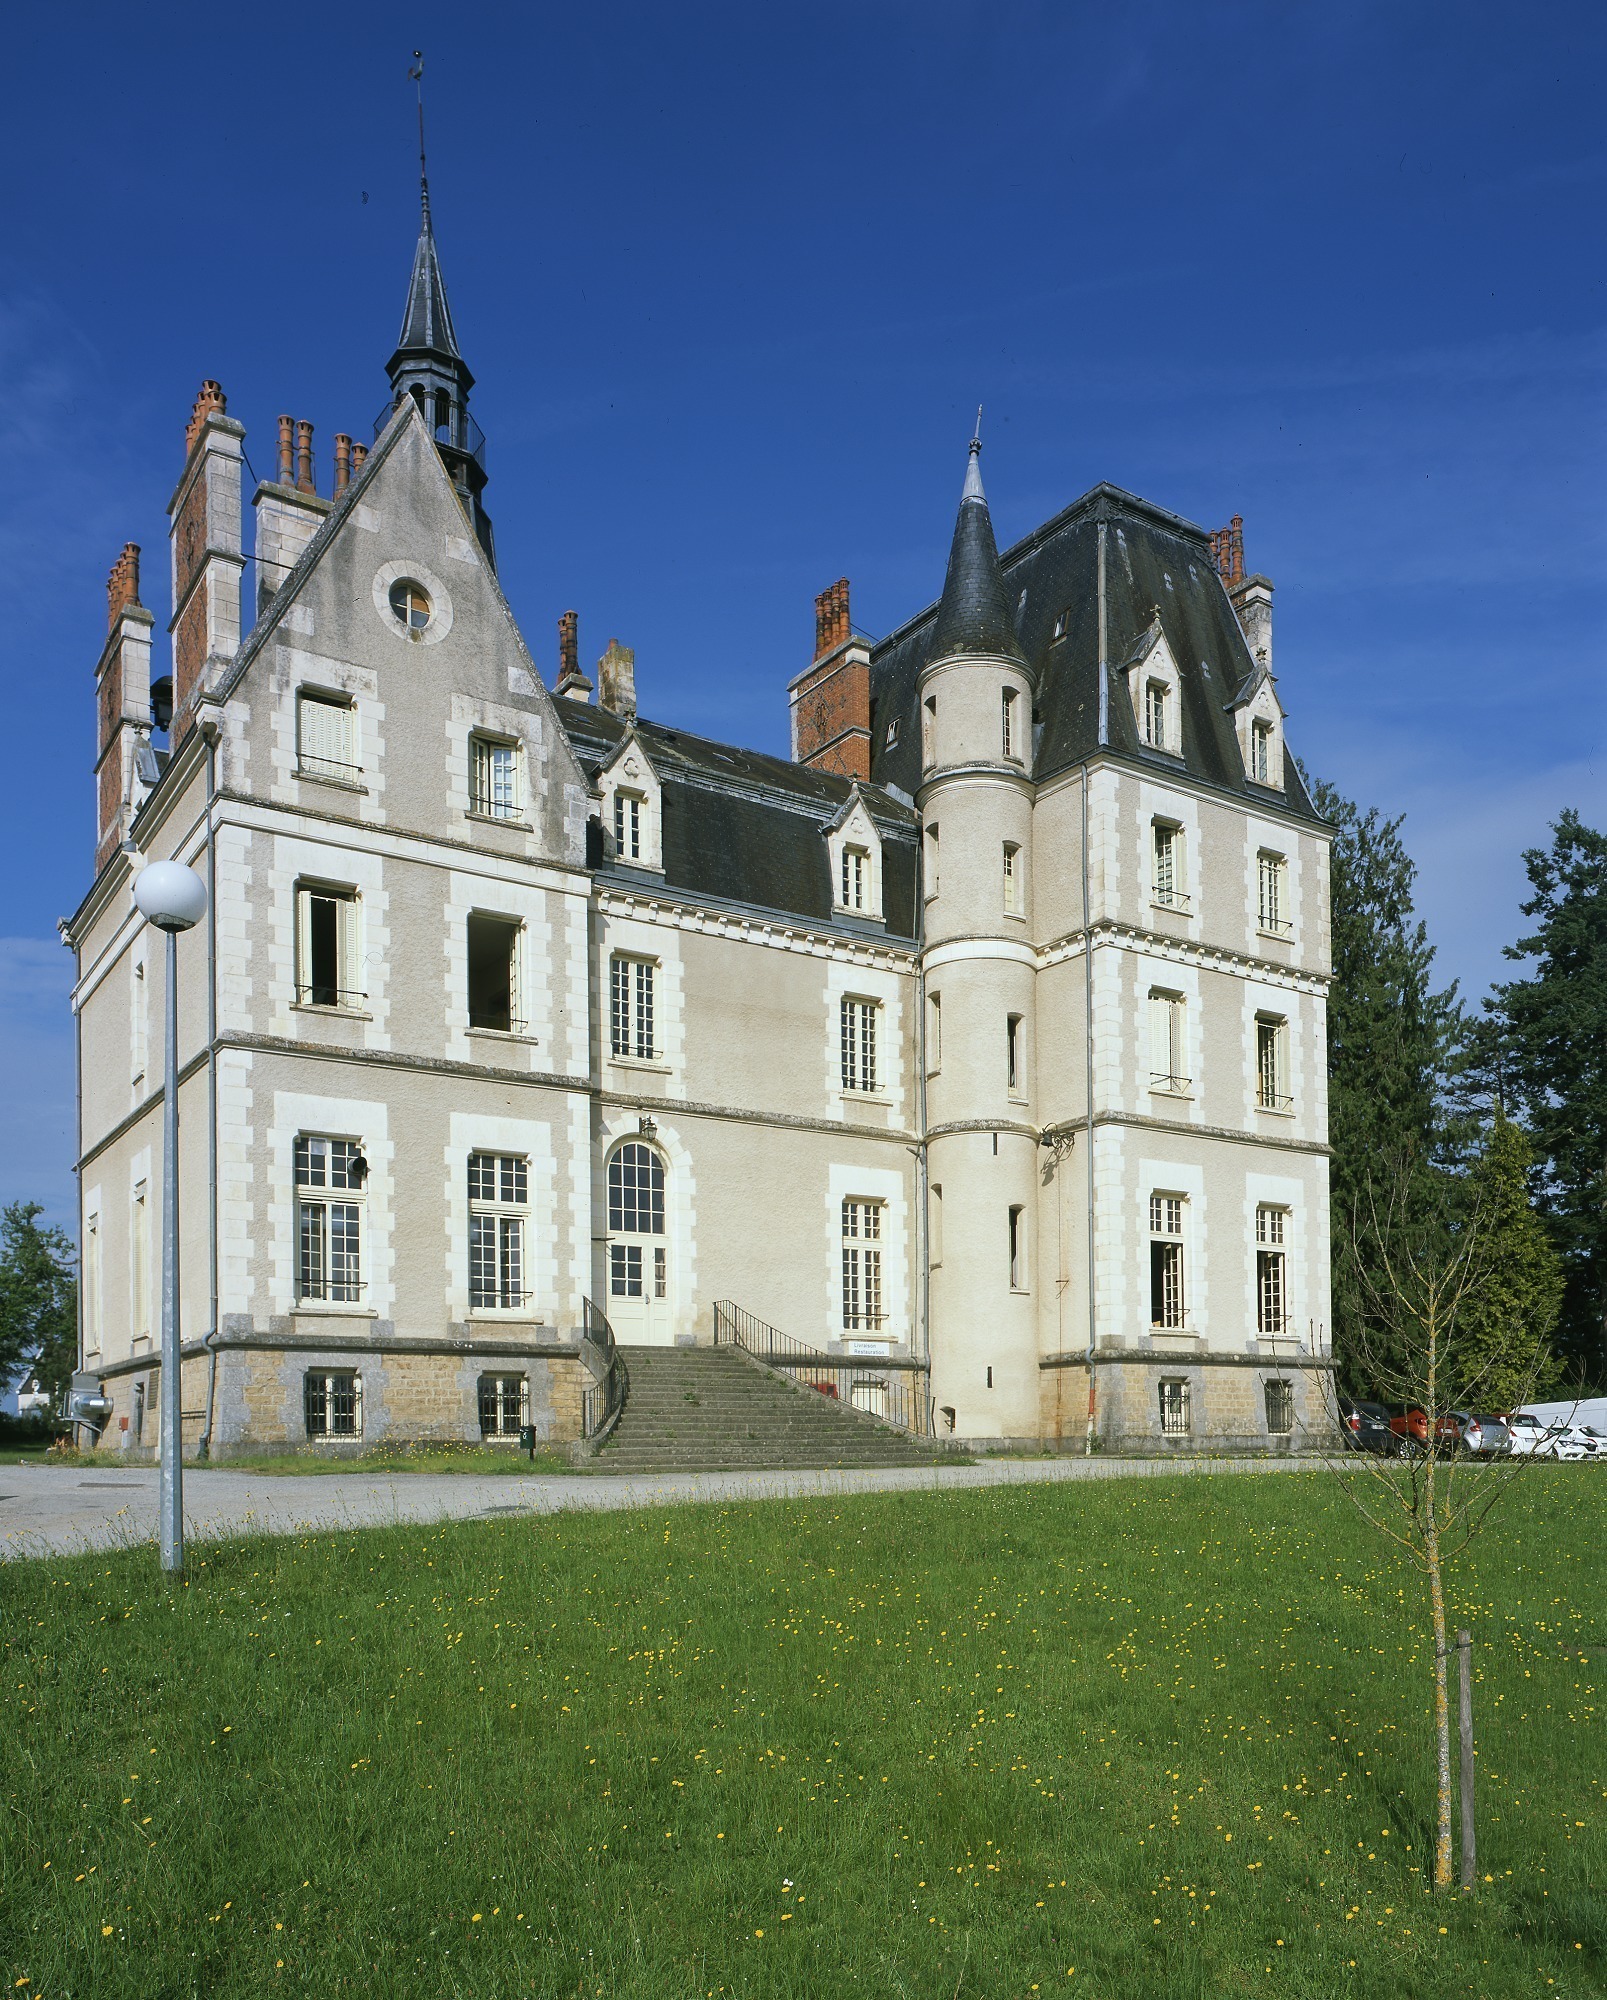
(712, 1409)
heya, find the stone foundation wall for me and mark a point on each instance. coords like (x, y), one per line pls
(1226, 1400)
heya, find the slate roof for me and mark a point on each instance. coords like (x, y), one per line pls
(747, 828)
(1158, 566)
(973, 614)
(427, 318)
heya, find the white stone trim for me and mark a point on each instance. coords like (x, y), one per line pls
(411, 570)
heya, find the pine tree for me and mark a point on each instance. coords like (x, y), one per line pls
(1543, 1052)
(1389, 1041)
(38, 1299)
(1503, 1353)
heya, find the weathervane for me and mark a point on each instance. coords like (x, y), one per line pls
(416, 74)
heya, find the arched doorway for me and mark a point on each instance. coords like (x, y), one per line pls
(638, 1278)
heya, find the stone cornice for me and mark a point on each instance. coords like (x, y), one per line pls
(1183, 951)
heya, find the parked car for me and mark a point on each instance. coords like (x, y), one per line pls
(1531, 1437)
(1572, 1441)
(1411, 1428)
(1365, 1426)
(1540, 1437)
(1495, 1439)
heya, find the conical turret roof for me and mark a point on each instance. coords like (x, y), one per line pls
(974, 615)
(427, 319)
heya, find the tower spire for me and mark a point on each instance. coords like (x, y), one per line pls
(428, 364)
(974, 615)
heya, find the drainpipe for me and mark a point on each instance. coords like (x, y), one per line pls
(1088, 984)
(210, 1337)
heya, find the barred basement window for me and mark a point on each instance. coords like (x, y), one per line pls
(504, 1405)
(333, 1405)
(330, 1176)
(859, 1044)
(1280, 1407)
(856, 878)
(1271, 1293)
(493, 974)
(1167, 1302)
(862, 1266)
(499, 1193)
(326, 738)
(493, 778)
(328, 957)
(1175, 1415)
(628, 825)
(1271, 1063)
(1271, 898)
(630, 1007)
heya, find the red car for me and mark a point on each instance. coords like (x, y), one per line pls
(1410, 1427)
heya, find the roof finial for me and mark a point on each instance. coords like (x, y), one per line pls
(973, 468)
(416, 73)
(976, 435)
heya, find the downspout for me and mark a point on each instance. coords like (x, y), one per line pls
(1088, 986)
(78, 1176)
(210, 1337)
(922, 1165)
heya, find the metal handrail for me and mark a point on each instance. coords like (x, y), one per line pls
(903, 1406)
(600, 1406)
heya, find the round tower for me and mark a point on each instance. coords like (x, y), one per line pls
(975, 695)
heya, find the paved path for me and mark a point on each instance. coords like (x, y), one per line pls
(46, 1510)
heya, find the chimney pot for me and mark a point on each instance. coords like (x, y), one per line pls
(209, 399)
(287, 451)
(571, 681)
(122, 586)
(616, 680)
(304, 480)
(359, 458)
(343, 462)
(831, 618)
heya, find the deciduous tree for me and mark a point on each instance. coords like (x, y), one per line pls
(38, 1298)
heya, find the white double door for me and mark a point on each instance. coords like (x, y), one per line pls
(638, 1291)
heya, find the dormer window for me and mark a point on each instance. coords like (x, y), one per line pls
(633, 808)
(855, 851)
(1258, 718)
(1062, 624)
(1261, 752)
(1157, 714)
(856, 878)
(627, 825)
(892, 733)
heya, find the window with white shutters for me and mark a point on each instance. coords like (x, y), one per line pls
(499, 1195)
(862, 1266)
(328, 955)
(326, 738)
(1167, 872)
(1271, 1063)
(1168, 1036)
(1272, 900)
(492, 946)
(494, 778)
(630, 1007)
(858, 1036)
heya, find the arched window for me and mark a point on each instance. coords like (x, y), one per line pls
(636, 1191)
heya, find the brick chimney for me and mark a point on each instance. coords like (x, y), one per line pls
(831, 698)
(207, 555)
(616, 680)
(1250, 596)
(571, 681)
(123, 706)
(289, 512)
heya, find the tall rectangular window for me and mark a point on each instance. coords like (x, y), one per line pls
(1271, 1273)
(1175, 1415)
(332, 1405)
(628, 825)
(328, 960)
(493, 974)
(1261, 752)
(326, 738)
(493, 778)
(1156, 716)
(862, 1266)
(504, 1405)
(140, 1263)
(934, 1224)
(330, 1177)
(630, 1007)
(859, 1044)
(139, 1021)
(934, 1033)
(1167, 874)
(499, 1195)
(92, 1285)
(1012, 879)
(1015, 1069)
(929, 732)
(1018, 1249)
(1167, 1303)
(855, 879)
(1009, 729)
(1272, 901)
(1168, 1041)
(929, 852)
(1271, 1063)
(1280, 1407)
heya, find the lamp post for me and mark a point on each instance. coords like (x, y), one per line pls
(173, 898)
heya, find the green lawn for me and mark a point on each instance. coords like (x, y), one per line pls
(1171, 1733)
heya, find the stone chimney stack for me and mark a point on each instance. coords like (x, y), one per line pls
(1250, 596)
(571, 681)
(831, 698)
(123, 706)
(289, 511)
(208, 558)
(616, 680)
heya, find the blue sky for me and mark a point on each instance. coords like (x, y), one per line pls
(733, 280)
